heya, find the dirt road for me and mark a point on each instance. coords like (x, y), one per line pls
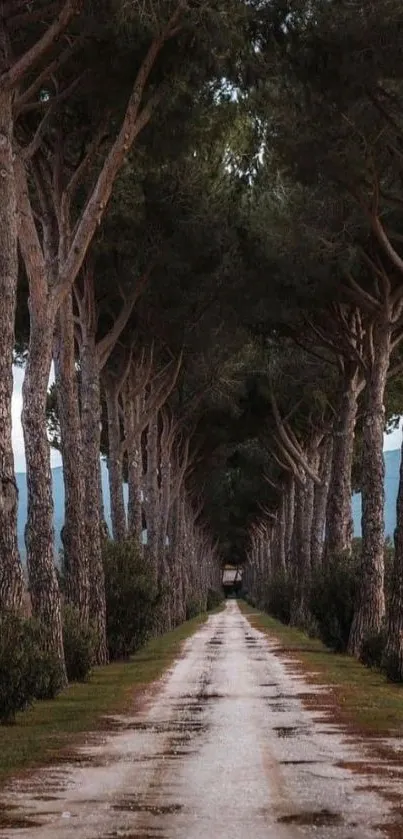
(224, 750)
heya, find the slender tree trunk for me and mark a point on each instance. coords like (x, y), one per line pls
(313, 457)
(39, 534)
(177, 552)
(152, 506)
(320, 503)
(282, 532)
(290, 515)
(135, 469)
(75, 554)
(339, 524)
(165, 501)
(301, 561)
(393, 659)
(163, 551)
(370, 609)
(11, 579)
(183, 589)
(118, 512)
(91, 438)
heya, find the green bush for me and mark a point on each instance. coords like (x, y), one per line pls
(332, 600)
(250, 599)
(373, 649)
(132, 598)
(214, 599)
(278, 596)
(79, 645)
(193, 608)
(27, 670)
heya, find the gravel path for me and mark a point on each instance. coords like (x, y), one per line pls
(224, 750)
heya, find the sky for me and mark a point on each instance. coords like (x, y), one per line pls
(392, 441)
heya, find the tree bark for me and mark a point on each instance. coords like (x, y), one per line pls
(39, 534)
(290, 516)
(370, 608)
(75, 553)
(301, 560)
(165, 494)
(118, 512)
(393, 658)
(339, 524)
(91, 438)
(152, 492)
(320, 503)
(132, 411)
(280, 533)
(313, 456)
(11, 578)
(173, 529)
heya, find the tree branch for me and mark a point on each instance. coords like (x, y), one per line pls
(105, 345)
(133, 122)
(385, 242)
(24, 64)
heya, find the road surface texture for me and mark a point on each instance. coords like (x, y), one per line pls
(223, 750)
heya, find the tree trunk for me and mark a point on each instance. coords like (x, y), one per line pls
(134, 468)
(320, 503)
(118, 512)
(165, 497)
(278, 537)
(11, 578)
(394, 640)
(339, 524)
(91, 438)
(75, 554)
(290, 516)
(39, 535)
(370, 608)
(175, 562)
(152, 506)
(301, 560)
(313, 457)
(180, 554)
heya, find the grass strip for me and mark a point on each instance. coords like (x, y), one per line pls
(363, 697)
(41, 733)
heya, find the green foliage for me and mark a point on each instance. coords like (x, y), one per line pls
(38, 738)
(194, 607)
(278, 596)
(332, 601)
(132, 598)
(373, 648)
(79, 644)
(214, 599)
(27, 670)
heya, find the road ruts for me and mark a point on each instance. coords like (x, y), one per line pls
(224, 750)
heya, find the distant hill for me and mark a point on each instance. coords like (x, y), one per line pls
(392, 467)
(58, 500)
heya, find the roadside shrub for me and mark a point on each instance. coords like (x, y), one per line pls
(79, 645)
(249, 598)
(391, 665)
(373, 649)
(278, 596)
(193, 608)
(27, 670)
(132, 598)
(45, 666)
(214, 599)
(333, 594)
